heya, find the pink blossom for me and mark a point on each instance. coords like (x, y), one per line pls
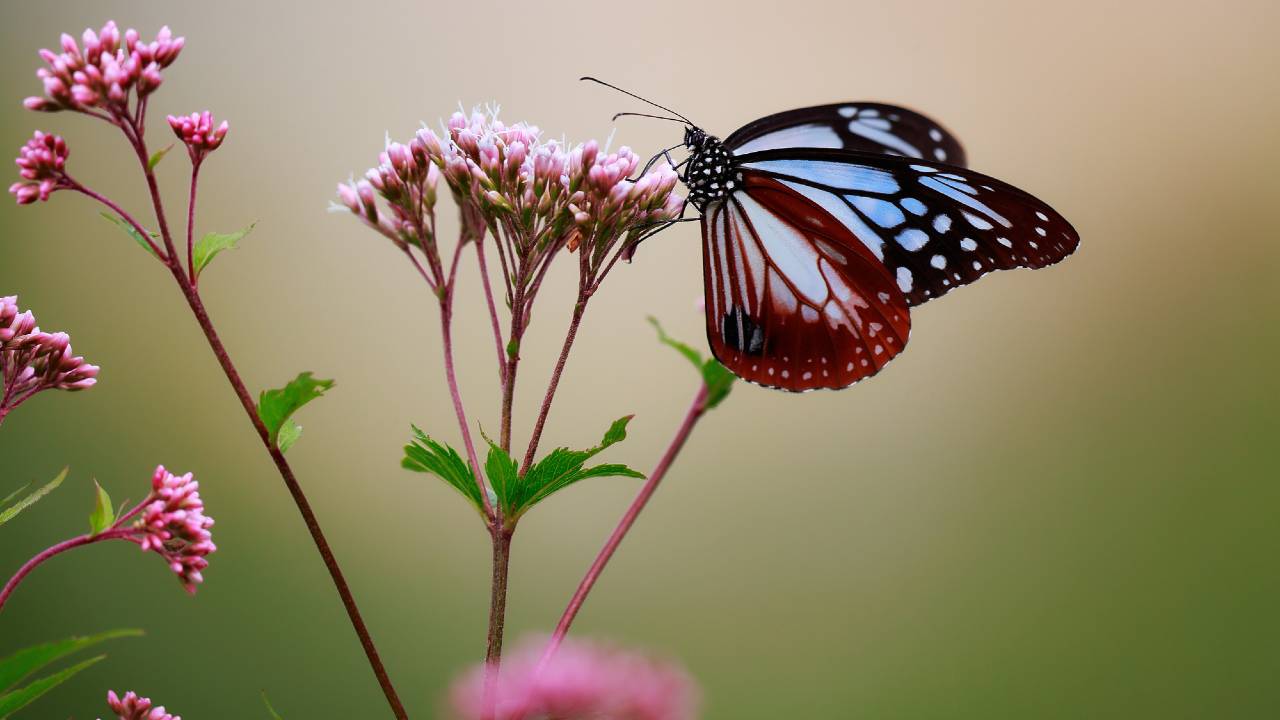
(198, 133)
(42, 165)
(132, 707)
(174, 525)
(583, 681)
(405, 178)
(32, 360)
(105, 73)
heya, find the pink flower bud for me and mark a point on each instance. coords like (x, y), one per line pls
(133, 707)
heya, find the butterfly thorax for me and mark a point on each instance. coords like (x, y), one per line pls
(712, 172)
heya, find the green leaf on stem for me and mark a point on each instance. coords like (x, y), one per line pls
(425, 455)
(12, 511)
(13, 702)
(563, 467)
(157, 156)
(208, 247)
(274, 715)
(131, 232)
(276, 407)
(718, 379)
(21, 664)
(103, 513)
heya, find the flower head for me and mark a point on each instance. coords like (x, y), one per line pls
(132, 707)
(174, 525)
(42, 165)
(583, 681)
(405, 179)
(198, 133)
(32, 360)
(104, 73)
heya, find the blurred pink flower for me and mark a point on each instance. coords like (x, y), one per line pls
(582, 681)
(174, 525)
(198, 133)
(42, 165)
(132, 707)
(32, 360)
(105, 72)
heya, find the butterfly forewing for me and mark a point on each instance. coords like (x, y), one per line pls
(934, 227)
(869, 127)
(794, 299)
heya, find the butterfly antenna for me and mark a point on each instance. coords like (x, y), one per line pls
(647, 115)
(641, 99)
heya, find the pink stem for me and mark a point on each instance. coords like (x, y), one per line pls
(493, 308)
(696, 410)
(578, 310)
(49, 552)
(451, 375)
(191, 223)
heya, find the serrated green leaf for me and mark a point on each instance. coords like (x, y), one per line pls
(13, 702)
(503, 475)
(12, 511)
(425, 455)
(274, 715)
(19, 665)
(563, 467)
(131, 232)
(157, 156)
(288, 435)
(211, 244)
(275, 407)
(103, 513)
(718, 378)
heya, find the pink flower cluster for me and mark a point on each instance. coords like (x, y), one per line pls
(198, 133)
(42, 165)
(537, 192)
(406, 178)
(174, 525)
(32, 360)
(132, 707)
(105, 72)
(583, 681)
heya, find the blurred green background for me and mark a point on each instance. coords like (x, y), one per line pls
(1061, 502)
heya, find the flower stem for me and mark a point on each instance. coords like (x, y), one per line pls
(191, 223)
(518, 313)
(49, 552)
(498, 595)
(696, 411)
(575, 322)
(493, 309)
(451, 375)
(295, 490)
(192, 295)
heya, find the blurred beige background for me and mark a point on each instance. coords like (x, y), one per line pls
(1059, 503)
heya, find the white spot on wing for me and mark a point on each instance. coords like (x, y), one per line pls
(904, 279)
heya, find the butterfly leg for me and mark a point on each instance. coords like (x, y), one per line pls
(653, 160)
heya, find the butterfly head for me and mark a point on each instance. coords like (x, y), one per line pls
(712, 171)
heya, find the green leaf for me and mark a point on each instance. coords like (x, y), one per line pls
(158, 156)
(131, 232)
(275, 407)
(718, 378)
(211, 244)
(13, 495)
(504, 477)
(426, 455)
(103, 513)
(274, 715)
(18, 699)
(16, 667)
(11, 512)
(563, 467)
(289, 434)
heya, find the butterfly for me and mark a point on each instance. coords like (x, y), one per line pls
(823, 226)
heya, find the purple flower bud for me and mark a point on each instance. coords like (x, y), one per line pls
(42, 165)
(133, 707)
(34, 361)
(198, 133)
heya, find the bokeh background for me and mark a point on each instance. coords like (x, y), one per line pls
(1061, 502)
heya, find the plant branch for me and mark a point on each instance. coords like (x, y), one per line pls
(578, 310)
(493, 309)
(191, 223)
(49, 552)
(696, 411)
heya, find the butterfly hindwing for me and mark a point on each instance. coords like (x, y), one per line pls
(795, 300)
(869, 127)
(934, 227)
